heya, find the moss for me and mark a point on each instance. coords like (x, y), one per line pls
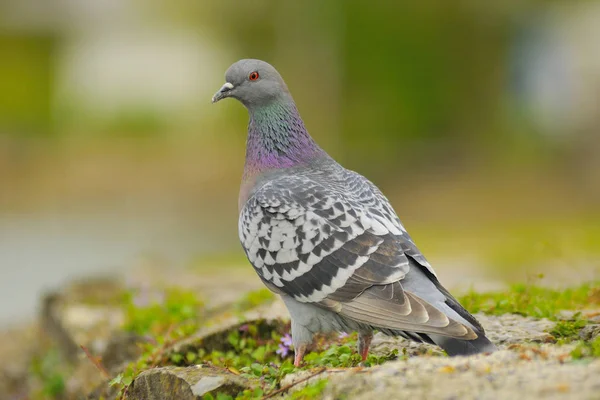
(261, 351)
(156, 313)
(531, 300)
(49, 370)
(165, 317)
(310, 391)
(568, 330)
(587, 349)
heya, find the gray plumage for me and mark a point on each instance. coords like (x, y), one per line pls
(327, 240)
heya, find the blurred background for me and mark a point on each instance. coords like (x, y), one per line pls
(479, 120)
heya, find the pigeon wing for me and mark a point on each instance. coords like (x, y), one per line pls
(346, 253)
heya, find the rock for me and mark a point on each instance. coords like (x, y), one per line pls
(590, 332)
(51, 323)
(383, 345)
(510, 329)
(503, 330)
(189, 383)
(592, 315)
(17, 347)
(300, 379)
(531, 372)
(85, 314)
(70, 321)
(103, 392)
(89, 314)
(121, 349)
(214, 337)
(218, 297)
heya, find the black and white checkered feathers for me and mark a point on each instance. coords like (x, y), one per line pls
(327, 236)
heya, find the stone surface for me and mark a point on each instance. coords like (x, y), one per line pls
(267, 317)
(590, 332)
(509, 329)
(590, 314)
(503, 330)
(121, 349)
(17, 347)
(190, 383)
(525, 372)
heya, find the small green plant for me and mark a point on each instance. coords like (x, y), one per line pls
(587, 349)
(252, 356)
(47, 369)
(568, 330)
(344, 356)
(153, 355)
(145, 314)
(166, 317)
(219, 396)
(334, 356)
(310, 391)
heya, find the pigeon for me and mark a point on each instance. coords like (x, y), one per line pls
(327, 240)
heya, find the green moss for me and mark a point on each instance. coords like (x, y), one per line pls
(166, 317)
(247, 349)
(587, 349)
(568, 330)
(259, 354)
(532, 300)
(174, 309)
(310, 391)
(254, 355)
(48, 369)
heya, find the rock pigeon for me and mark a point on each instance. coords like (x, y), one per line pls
(327, 240)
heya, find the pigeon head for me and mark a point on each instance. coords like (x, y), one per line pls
(254, 83)
(277, 137)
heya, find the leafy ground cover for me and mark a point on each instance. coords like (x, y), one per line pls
(263, 353)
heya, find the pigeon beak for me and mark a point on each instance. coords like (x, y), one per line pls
(223, 92)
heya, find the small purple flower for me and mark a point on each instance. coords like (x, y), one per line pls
(343, 335)
(282, 350)
(243, 328)
(286, 340)
(284, 346)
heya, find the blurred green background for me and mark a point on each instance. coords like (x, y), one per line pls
(479, 120)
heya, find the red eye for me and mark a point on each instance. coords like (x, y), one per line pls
(253, 76)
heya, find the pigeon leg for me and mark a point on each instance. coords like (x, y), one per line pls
(299, 354)
(364, 341)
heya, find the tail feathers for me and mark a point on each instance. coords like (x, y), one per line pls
(457, 347)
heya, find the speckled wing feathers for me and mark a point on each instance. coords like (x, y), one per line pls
(335, 241)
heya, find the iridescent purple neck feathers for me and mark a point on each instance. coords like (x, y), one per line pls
(278, 139)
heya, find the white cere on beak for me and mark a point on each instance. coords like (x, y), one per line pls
(220, 94)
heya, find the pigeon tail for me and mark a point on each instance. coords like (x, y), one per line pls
(457, 347)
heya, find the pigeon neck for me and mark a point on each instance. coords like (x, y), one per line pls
(278, 139)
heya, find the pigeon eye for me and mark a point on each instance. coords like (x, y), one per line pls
(253, 76)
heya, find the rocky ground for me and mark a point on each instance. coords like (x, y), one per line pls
(142, 339)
